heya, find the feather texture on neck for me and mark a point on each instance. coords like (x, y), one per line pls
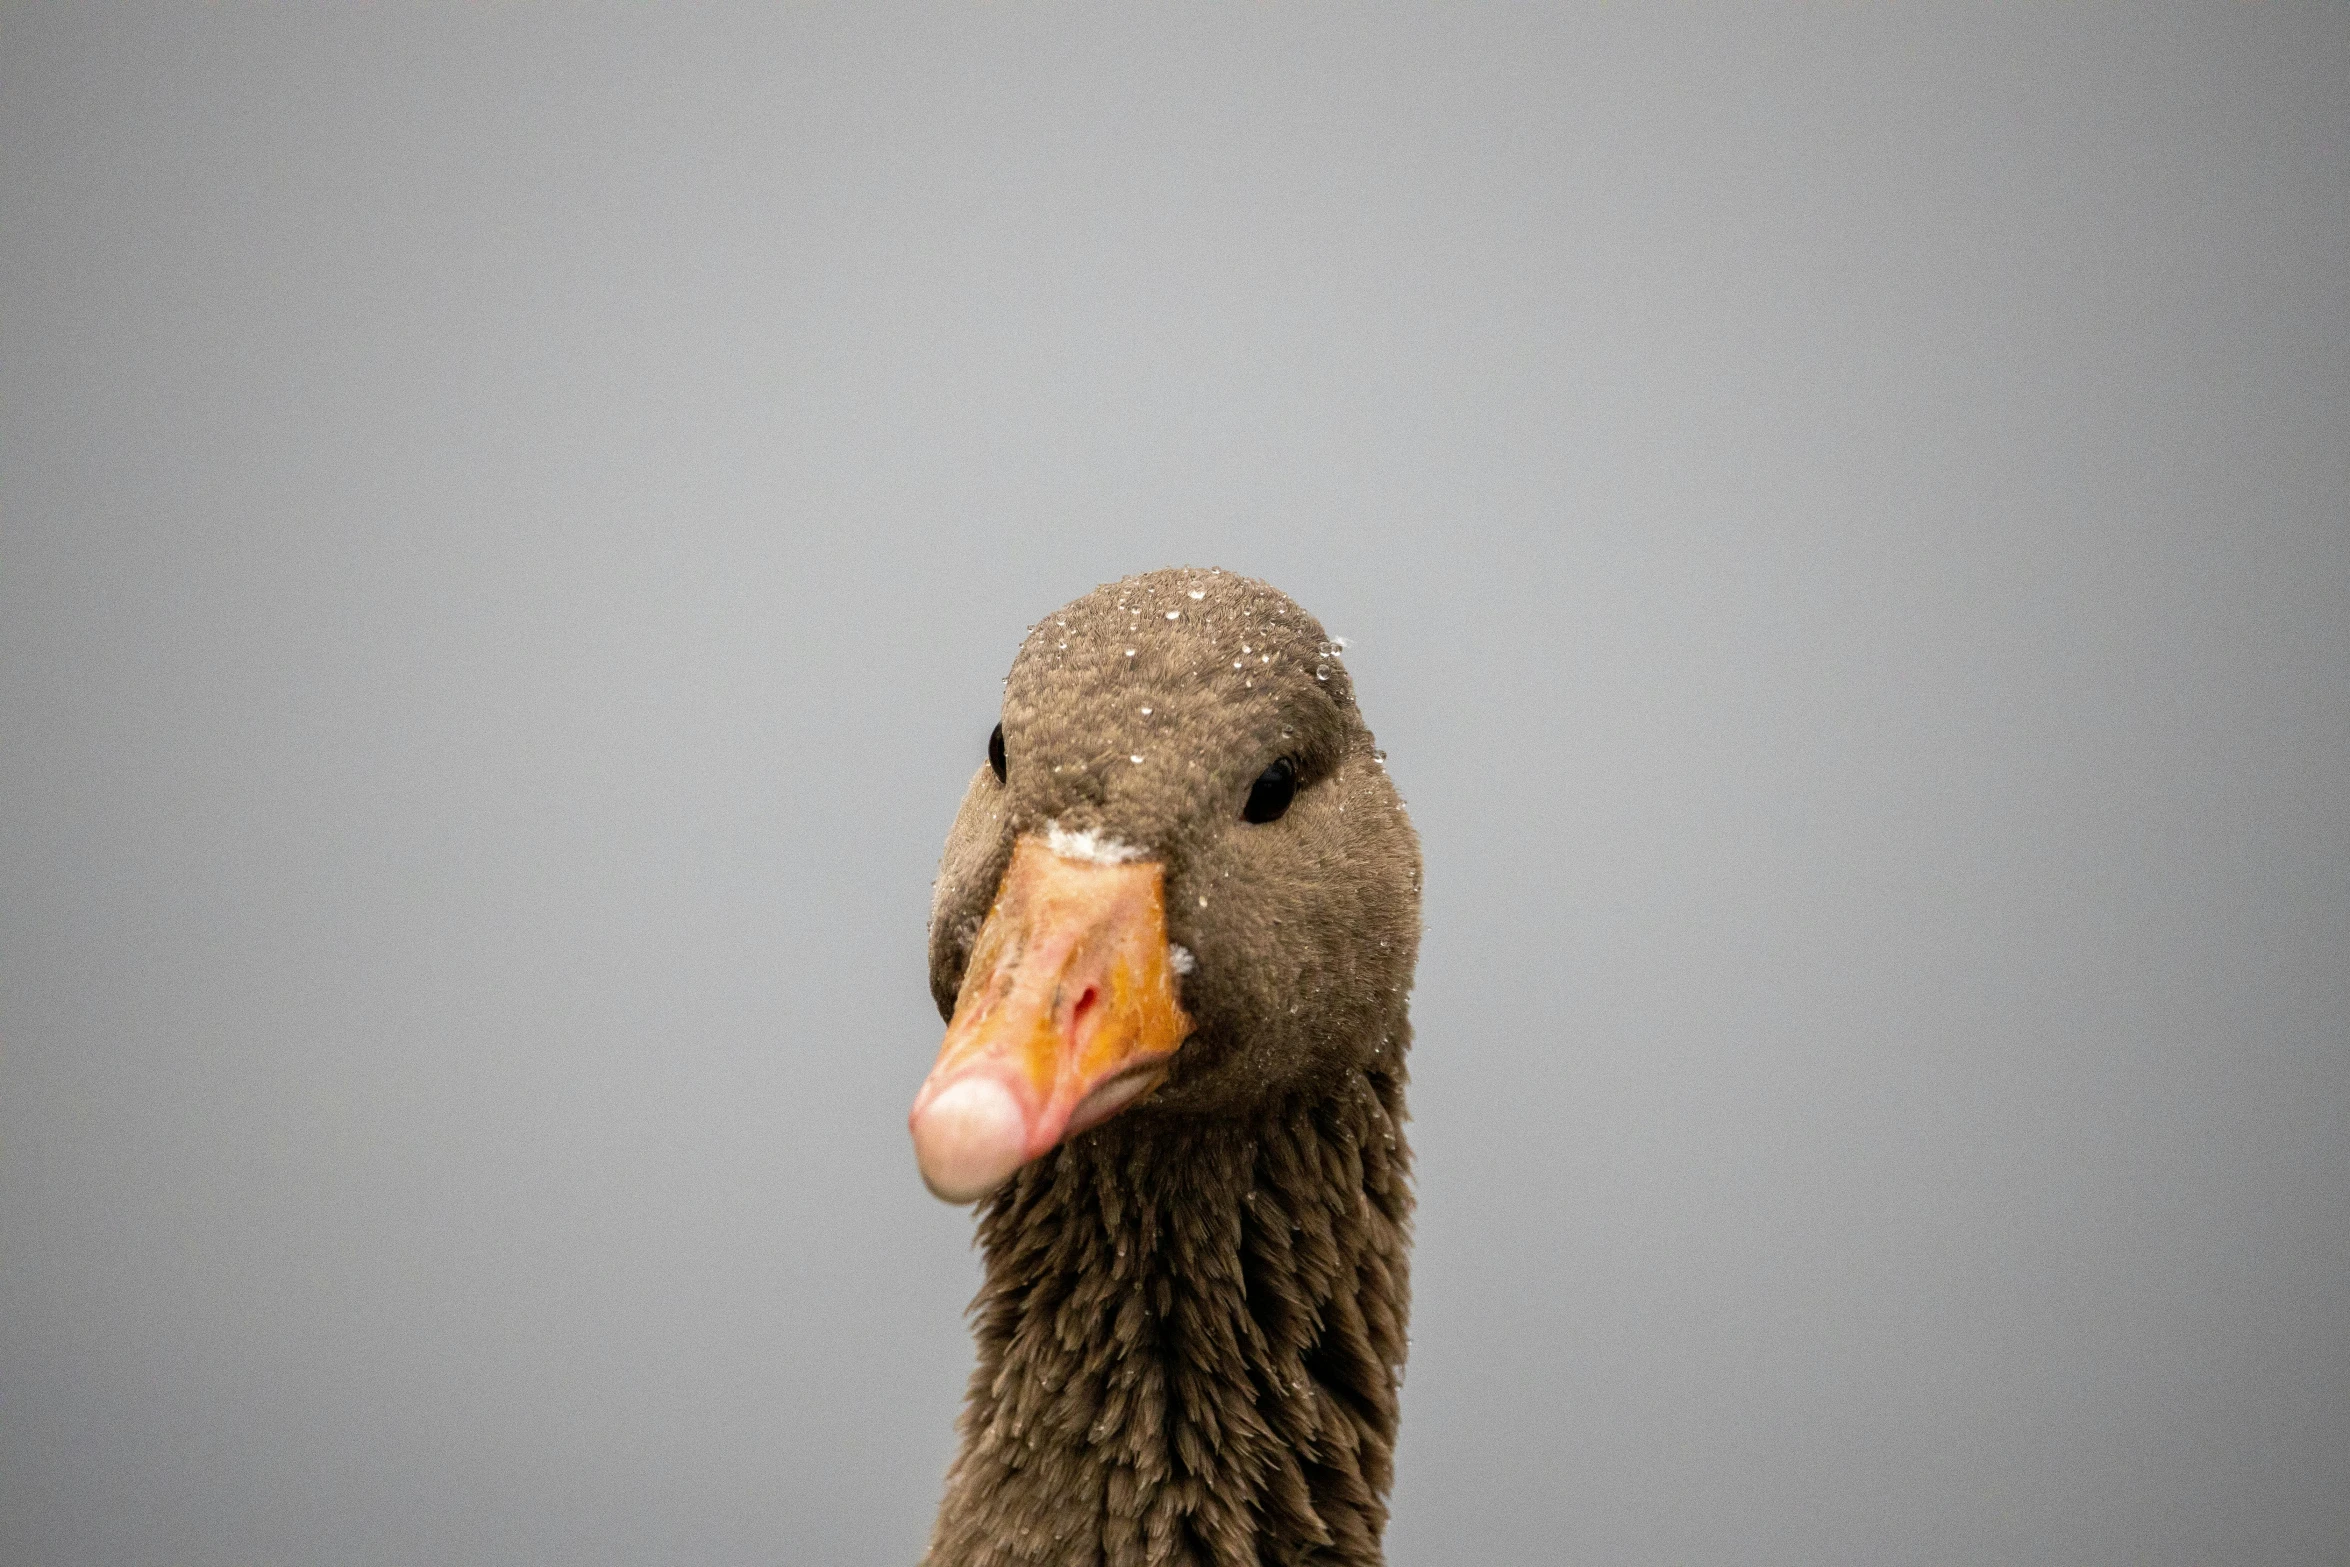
(1191, 1338)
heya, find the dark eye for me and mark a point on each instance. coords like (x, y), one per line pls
(995, 752)
(1270, 795)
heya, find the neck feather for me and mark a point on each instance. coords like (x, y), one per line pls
(1191, 1337)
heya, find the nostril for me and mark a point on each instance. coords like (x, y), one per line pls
(1087, 1001)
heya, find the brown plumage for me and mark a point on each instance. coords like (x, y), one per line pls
(1192, 1327)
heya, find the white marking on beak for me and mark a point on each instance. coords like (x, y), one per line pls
(1092, 846)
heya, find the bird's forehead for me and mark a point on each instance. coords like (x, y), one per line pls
(1170, 641)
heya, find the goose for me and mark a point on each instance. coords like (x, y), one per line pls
(1172, 938)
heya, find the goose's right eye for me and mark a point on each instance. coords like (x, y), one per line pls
(1270, 795)
(995, 752)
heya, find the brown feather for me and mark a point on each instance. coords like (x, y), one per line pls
(1191, 1332)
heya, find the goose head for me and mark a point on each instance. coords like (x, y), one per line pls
(1181, 884)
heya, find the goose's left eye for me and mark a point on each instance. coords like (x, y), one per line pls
(1270, 795)
(995, 752)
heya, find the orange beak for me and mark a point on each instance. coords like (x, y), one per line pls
(1066, 1016)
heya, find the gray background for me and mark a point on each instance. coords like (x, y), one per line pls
(514, 522)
